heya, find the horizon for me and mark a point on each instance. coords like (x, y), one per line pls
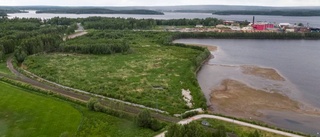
(144, 3)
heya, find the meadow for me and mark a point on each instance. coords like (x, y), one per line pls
(149, 73)
(27, 113)
(3, 67)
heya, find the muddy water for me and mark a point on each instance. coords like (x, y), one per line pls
(296, 60)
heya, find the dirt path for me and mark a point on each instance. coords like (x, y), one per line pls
(197, 117)
(79, 32)
(81, 96)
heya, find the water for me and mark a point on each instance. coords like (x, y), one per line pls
(296, 60)
(312, 21)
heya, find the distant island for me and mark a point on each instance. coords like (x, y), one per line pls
(272, 12)
(100, 11)
(4, 12)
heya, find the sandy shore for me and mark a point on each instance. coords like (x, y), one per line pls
(267, 73)
(237, 99)
(210, 48)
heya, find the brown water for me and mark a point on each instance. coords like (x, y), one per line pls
(296, 60)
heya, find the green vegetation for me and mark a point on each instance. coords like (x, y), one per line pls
(100, 124)
(94, 105)
(150, 71)
(145, 120)
(99, 11)
(3, 66)
(27, 114)
(21, 114)
(271, 12)
(131, 23)
(241, 131)
(215, 128)
(189, 130)
(189, 114)
(243, 35)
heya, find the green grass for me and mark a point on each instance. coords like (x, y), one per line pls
(241, 131)
(3, 67)
(100, 124)
(26, 113)
(132, 77)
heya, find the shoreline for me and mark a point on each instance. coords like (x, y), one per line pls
(287, 102)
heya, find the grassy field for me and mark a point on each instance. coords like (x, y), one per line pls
(25, 113)
(241, 131)
(151, 74)
(4, 69)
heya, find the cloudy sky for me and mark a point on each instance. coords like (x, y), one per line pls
(160, 2)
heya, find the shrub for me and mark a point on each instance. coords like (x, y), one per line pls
(144, 119)
(156, 125)
(91, 105)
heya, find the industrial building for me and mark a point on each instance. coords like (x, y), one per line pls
(262, 26)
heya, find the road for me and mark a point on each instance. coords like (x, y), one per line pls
(197, 117)
(79, 32)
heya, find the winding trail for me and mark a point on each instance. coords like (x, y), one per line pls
(197, 117)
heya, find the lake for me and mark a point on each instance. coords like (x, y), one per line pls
(296, 60)
(312, 21)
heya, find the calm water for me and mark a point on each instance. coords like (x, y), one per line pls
(312, 21)
(297, 60)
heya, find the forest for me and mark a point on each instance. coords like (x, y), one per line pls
(3, 14)
(271, 12)
(30, 36)
(99, 11)
(131, 23)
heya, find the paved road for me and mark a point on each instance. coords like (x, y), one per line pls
(197, 117)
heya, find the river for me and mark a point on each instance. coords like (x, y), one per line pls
(296, 60)
(311, 21)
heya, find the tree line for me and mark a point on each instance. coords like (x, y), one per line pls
(272, 12)
(28, 36)
(102, 23)
(243, 35)
(99, 11)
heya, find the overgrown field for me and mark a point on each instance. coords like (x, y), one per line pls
(25, 113)
(149, 73)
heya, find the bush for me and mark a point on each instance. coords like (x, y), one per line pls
(189, 130)
(145, 120)
(156, 125)
(91, 105)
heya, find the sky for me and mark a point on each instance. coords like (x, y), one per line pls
(276, 3)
